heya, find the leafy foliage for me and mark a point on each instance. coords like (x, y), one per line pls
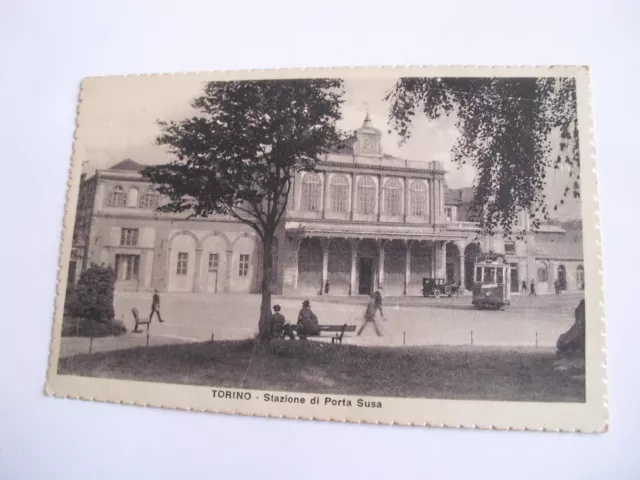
(505, 129)
(239, 156)
(92, 297)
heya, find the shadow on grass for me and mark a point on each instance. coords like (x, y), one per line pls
(471, 373)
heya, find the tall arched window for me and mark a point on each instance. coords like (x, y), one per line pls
(132, 197)
(580, 277)
(339, 193)
(366, 196)
(392, 197)
(149, 199)
(117, 198)
(418, 191)
(311, 187)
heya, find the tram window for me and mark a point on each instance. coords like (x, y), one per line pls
(478, 274)
(489, 275)
(500, 276)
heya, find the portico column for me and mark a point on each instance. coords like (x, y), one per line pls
(440, 250)
(227, 276)
(407, 199)
(354, 258)
(353, 195)
(381, 262)
(462, 275)
(325, 196)
(196, 272)
(407, 266)
(379, 196)
(325, 264)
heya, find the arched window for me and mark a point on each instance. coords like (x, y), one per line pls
(543, 272)
(149, 199)
(339, 193)
(418, 198)
(366, 196)
(132, 197)
(580, 277)
(117, 198)
(392, 197)
(311, 187)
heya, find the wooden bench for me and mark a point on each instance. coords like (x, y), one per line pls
(136, 317)
(338, 329)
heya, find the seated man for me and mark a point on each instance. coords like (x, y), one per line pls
(278, 327)
(307, 321)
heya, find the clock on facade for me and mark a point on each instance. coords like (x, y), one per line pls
(367, 144)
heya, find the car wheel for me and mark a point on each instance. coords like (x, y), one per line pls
(436, 293)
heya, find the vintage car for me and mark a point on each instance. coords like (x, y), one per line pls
(434, 287)
(491, 282)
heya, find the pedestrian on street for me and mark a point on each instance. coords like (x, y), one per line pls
(524, 287)
(155, 306)
(532, 291)
(374, 305)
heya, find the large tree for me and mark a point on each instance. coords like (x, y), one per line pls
(239, 155)
(506, 129)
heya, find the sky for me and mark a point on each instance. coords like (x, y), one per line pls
(118, 120)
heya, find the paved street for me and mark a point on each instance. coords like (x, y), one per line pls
(411, 321)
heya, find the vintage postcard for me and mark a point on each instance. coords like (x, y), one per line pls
(412, 246)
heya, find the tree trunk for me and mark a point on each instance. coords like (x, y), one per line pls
(267, 279)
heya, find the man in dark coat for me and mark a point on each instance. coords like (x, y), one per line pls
(155, 306)
(278, 326)
(374, 305)
(307, 321)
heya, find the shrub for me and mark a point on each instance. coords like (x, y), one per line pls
(82, 327)
(92, 297)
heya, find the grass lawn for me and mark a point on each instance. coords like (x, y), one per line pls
(473, 373)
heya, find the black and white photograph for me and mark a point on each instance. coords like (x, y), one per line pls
(336, 244)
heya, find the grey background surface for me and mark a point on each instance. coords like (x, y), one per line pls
(47, 47)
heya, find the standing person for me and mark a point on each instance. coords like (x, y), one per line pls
(155, 306)
(524, 287)
(375, 304)
(532, 290)
(307, 322)
(556, 284)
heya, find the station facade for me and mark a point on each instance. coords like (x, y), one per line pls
(361, 220)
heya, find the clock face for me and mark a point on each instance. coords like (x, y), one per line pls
(367, 144)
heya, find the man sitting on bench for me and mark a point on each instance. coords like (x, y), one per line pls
(278, 326)
(307, 322)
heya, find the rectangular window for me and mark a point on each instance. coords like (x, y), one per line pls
(500, 276)
(127, 267)
(183, 262)
(448, 211)
(214, 261)
(243, 269)
(129, 237)
(509, 248)
(478, 274)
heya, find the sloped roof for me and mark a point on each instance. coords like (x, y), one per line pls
(554, 246)
(127, 164)
(345, 146)
(458, 195)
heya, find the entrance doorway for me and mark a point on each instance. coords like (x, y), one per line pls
(212, 281)
(562, 277)
(365, 284)
(515, 279)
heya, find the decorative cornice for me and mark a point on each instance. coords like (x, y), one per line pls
(346, 167)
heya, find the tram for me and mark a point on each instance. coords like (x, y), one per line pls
(491, 282)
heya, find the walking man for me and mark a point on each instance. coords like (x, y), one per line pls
(155, 306)
(524, 287)
(375, 304)
(532, 291)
